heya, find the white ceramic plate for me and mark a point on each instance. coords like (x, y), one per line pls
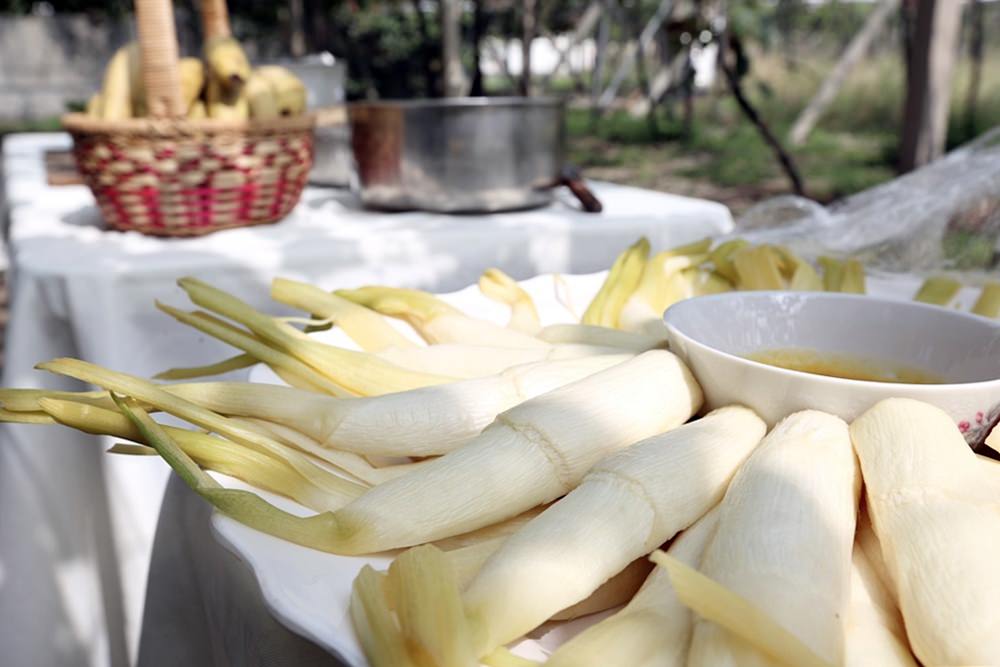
(309, 590)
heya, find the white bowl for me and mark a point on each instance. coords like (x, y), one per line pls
(713, 334)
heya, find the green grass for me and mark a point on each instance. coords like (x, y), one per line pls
(854, 147)
(728, 152)
(40, 125)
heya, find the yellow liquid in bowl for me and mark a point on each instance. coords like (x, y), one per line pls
(843, 366)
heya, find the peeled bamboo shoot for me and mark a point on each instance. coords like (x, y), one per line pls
(532, 454)
(784, 541)
(463, 361)
(435, 320)
(624, 508)
(498, 286)
(358, 372)
(654, 629)
(936, 512)
(420, 422)
(988, 302)
(622, 280)
(875, 633)
(938, 290)
(661, 285)
(213, 453)
(592, 334)
(364, 326)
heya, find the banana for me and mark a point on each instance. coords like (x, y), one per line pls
(227, 75)
(116, 92)
(197, 110)
(227, 64)
(95, 106)
(260, 94)
(136, 87)
(289, 92)
(225, 104)
(192, 75)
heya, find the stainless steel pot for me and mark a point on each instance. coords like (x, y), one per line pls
(459, 154)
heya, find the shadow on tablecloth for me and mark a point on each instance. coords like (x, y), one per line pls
(203, 605)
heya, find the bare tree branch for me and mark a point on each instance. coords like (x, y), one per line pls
(852, 55)
(731, 43)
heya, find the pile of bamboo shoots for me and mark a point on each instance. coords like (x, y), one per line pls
(535, 473)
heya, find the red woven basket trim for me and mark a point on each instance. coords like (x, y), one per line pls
(190, 186)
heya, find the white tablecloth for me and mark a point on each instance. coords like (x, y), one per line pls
(76, 526)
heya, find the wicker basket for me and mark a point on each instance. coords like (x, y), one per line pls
(169, 176)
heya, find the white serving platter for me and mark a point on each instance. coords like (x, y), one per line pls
(309, 591)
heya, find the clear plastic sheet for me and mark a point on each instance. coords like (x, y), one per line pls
(944, 217)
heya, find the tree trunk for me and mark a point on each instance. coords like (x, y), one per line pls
(528, 15)
(500, 57)
(929, 74)
(731, 43)
(852, 55)
(635, 20)
(787, 11)
(451, 48)
(426, 51)
(600, 57)
(628, 60)
(297, 20)
(480, 22)
(584, 26)
(976, 74)
(318, 26)
(688, 89)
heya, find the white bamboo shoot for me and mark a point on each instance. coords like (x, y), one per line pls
(875, 633)
(435, 320)
(936, 512)
(532, 454)
(365, 327)
(471, 361)
(420, 422)
(593, 334)
(654, 629)
(625, 507)
(784, 541)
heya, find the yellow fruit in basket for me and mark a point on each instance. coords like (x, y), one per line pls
(260, 95)
(117, 90)
(227, 64)
(137, 87)
(227, 75)
(197, 110)
(224, 104)
(288, 90)
(95, 106)
(236, 110)
(192, 75)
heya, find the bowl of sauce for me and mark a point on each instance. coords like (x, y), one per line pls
(844, 366)
(779, 352)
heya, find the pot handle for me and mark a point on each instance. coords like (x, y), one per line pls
(573, 180)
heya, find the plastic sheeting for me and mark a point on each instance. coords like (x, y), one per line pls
(942, 217)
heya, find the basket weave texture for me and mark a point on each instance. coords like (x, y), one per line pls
(187, 178)
(170, 176)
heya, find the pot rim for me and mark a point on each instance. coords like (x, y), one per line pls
(459, 103)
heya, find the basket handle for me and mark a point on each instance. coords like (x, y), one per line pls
(158, 42)
(215, 19)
